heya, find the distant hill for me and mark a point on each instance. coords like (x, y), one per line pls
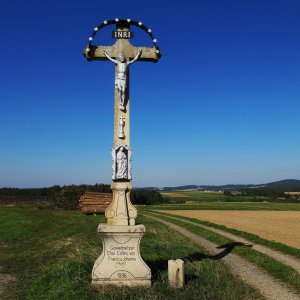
(208, 187)
(287, 184)
(290, 185)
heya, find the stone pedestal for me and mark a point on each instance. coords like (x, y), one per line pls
(120, 263)
(121, 211)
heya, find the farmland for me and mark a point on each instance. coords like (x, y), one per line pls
(211, 196)
(283, 226)
(49, 254)
(210, 205)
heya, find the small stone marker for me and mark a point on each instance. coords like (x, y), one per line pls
(176, 273)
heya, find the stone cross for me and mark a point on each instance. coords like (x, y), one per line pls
(122, 53)
(120, 262)
(121, 127)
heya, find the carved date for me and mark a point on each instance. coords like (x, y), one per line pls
(122, 275)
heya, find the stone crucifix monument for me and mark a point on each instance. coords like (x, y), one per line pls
(120, 262)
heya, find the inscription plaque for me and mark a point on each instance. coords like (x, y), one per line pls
(121, 255)
(123, 34)
(120, 260)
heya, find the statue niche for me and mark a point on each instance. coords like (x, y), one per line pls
(121, 156)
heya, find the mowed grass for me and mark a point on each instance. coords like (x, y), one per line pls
(52, 253)
(228, 206)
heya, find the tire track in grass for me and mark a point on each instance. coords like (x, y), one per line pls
(269, 287)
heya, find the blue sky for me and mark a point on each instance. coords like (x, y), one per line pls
(221, 106)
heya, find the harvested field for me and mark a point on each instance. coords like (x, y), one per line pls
(280, 226)
(292, 193)
(174, 195)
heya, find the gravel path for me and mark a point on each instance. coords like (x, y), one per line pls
(249, 273)
(283, 258)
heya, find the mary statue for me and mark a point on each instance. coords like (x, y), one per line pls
(121, 164)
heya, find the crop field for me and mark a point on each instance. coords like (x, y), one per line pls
(280, 226)
(210, 205)
(292, 193)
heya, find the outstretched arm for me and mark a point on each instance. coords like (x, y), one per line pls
(135, 58)
(111, 59)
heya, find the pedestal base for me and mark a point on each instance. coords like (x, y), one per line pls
(120, 263)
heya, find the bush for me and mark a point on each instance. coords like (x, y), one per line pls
(263, 192)
(67, 198)
(227, 193)
(147, 197)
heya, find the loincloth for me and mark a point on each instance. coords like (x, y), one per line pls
(121, 83)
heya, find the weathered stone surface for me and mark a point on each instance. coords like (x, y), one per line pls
(176, 273)
(120, 262)
(121, 211)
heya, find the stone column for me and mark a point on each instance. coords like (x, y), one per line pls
(121, 211)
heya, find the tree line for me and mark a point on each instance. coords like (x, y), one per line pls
(263, 192)
(272, 195)
(67, 196)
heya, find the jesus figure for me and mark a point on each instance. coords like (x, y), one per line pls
(121, 76)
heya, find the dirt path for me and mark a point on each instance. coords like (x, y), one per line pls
(5, 279)
(252, 275)
(283, 258)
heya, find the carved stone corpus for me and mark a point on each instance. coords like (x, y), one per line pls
(121, 80)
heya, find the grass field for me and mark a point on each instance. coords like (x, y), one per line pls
(204, 196)
(51, 253)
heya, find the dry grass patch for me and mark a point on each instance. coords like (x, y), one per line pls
(5, 279)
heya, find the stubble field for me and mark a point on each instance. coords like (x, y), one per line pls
(280, 226)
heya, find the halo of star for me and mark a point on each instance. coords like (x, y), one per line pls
(131, 22)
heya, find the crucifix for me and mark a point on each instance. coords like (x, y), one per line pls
(120, 232)
(121, 75)
(122, 53)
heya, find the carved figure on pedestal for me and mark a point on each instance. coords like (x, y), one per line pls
(121, 164)
(121, 76)
(121, 167)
